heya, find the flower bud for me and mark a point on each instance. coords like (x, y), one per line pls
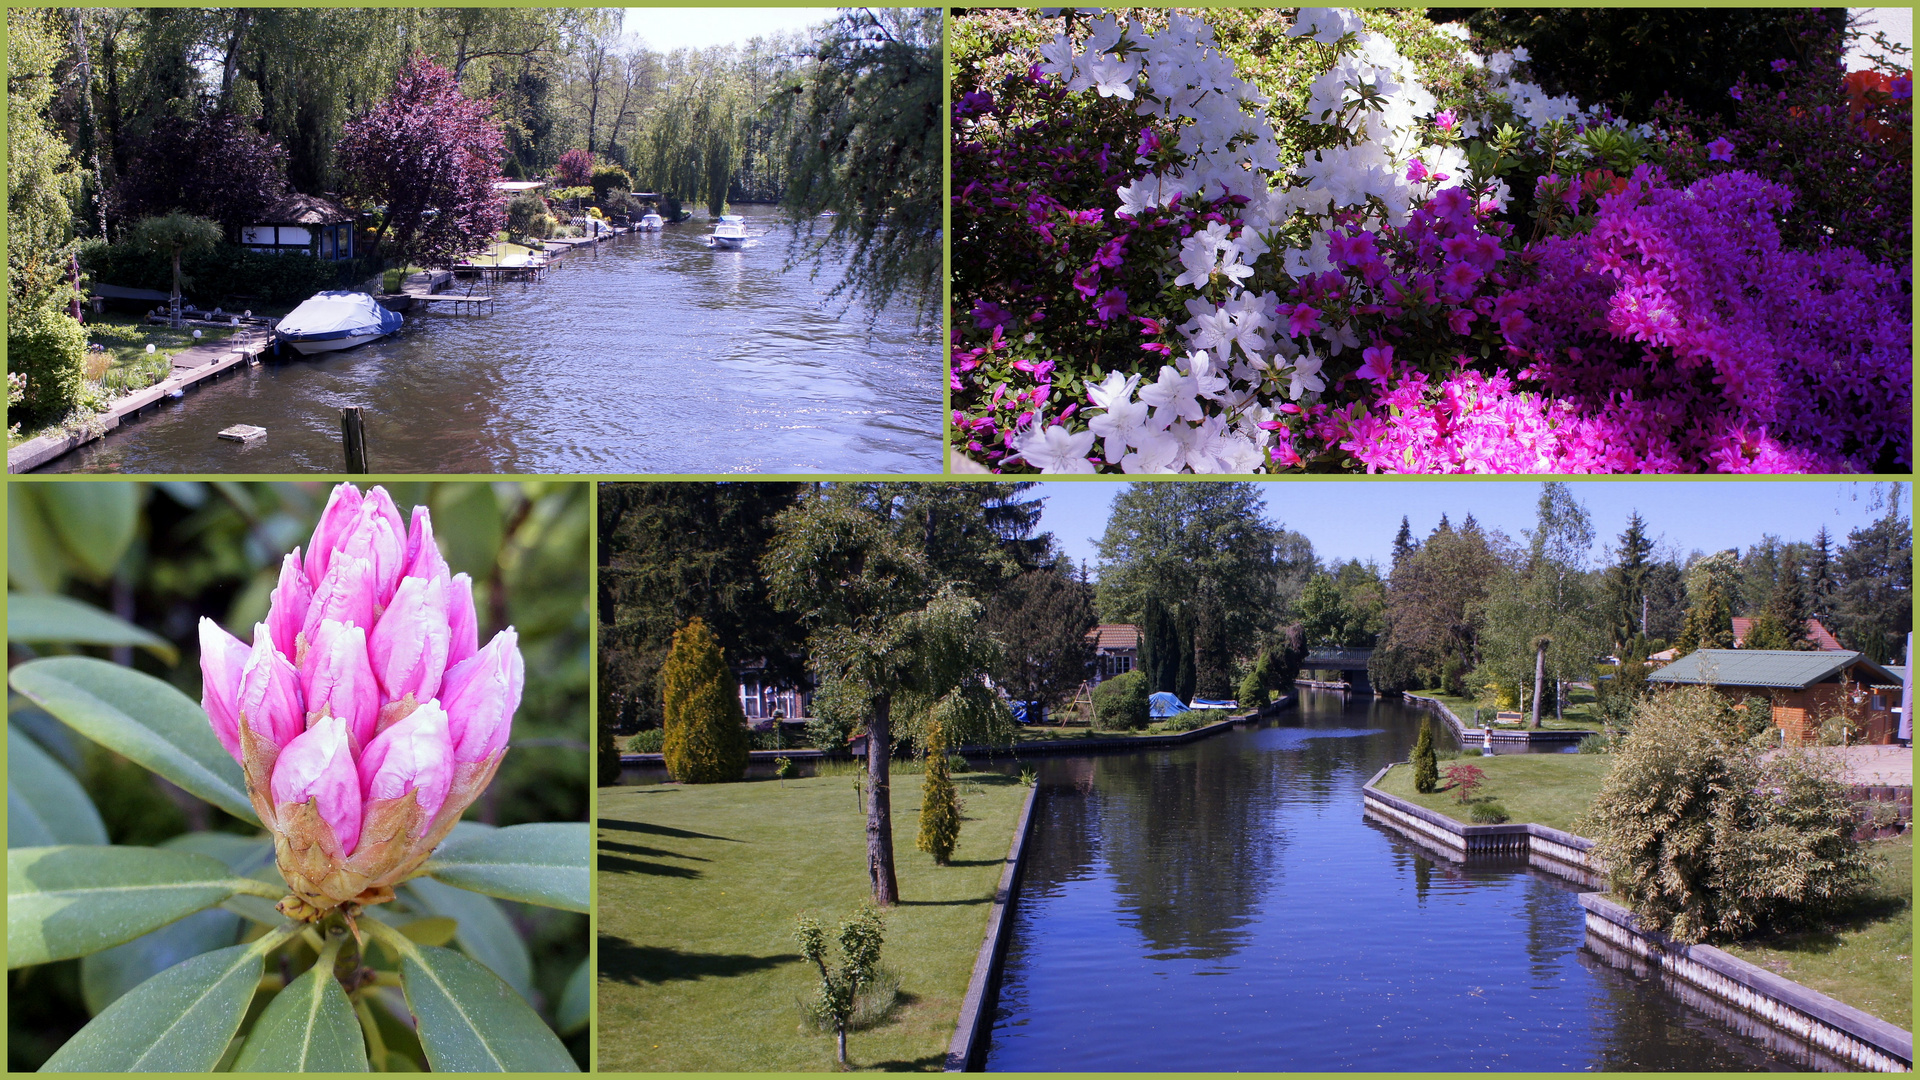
(423, 555)
(345, 595)
(480, 696)
(318, 766)
(287, 606)
(415, 755)
(338, 680)
(222, 658)
(343, 507)
(463, 622)
(268, 699)
(376, 539)
(409, 645)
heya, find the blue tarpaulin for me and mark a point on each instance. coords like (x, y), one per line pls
(1164, 705)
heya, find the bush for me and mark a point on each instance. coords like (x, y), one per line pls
(1391, 670)
(1488, 813)
(649, 741)
(50, 349)
(523, 214)
(1120, 703)
(1597, 743)
(706, 731)
(939, 808)
(1708, 838)
(607, 178)
(1191, 720)
(207, 277)
(1426, 770)
(575, 168)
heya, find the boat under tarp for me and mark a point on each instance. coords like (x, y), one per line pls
(1164, 704)
(330, 321)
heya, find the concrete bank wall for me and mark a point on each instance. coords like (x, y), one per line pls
(1782, 1014)
(1470, 736)
(968, 1048)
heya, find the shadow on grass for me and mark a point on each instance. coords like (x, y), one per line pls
(636, 849)
(620, 864)
(623, 961)
(944, 903)
(660, 830)
(930, 1063)
(1861, 915)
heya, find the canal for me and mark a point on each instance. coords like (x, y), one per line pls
(1223, 906)
(652, 354)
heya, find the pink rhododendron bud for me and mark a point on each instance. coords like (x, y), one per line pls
(268, 698)
(423, 555)
(463, 622)
(343, 507)
(339, 680)
(481, 695)
(415, 755)
(287, 606)
(408, 646)
(318, 766)
(376, 539)
(222, 658)
(345, 595)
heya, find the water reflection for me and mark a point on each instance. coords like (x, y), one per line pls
(650, 353)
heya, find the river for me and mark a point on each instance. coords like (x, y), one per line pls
(652, 354)
(1224, 906)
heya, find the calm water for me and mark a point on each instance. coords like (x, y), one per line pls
(655, 355)
(1224, 906)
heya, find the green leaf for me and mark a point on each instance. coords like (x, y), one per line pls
(110, 973)
(432, 930)
(95, 521)
(34, 559)
(309, 1027)
(485, 933)
(64, 902)
(181, 1020)
(470, 1021)
(544, 863)
(576, 1001)
(142, 719)
(45, 804)
(33, 617)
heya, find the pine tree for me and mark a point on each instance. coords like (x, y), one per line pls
(1403, 542)
(1186, 675)
(1426, 769)
(706, 731)
(939, 808)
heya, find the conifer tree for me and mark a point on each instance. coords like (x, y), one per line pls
(939, 808)
(706, 732)
(1426, 769)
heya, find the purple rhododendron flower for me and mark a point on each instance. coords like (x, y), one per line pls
(1720, 150)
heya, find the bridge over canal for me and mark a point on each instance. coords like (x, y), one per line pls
(1349, 662)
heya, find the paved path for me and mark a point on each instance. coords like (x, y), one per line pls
(1873, 766)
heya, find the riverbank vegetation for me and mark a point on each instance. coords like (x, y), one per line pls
(698, 889)
(1546, 789)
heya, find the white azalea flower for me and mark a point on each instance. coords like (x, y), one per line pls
(1115, 388)
(1055, 450)
(1305, 378)
(1111, 76)
(1173, 394)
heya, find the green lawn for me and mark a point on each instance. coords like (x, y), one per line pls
(1579, 711)
(698, 891)
(1865, 958)
(1547, 789)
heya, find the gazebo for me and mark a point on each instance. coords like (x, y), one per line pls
(303, 225)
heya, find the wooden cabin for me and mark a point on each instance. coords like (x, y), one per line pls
(303, 225)
(1806, 688)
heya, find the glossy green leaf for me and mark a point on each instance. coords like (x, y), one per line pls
(485, 933)
(64, 902)
(576, 1001)
(470, 1021)
(432, 930)
(181, 1020)
(142, 719)
(110, 973)
(544, 863)
(308, 1027)
(244, 855)
(34, 617)
(34, 559)
(95, 521)
(45, 804)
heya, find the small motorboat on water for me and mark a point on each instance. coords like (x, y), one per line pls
(729, 233)
(330, 321)
(651, 223)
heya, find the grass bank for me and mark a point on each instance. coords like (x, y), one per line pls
(1863, 956)
(1579, 714)
(1547, 789)
(698, 890)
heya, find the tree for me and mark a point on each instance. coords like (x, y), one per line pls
(1404, 545)
(1181, 543)
(869, 145)
(1121, 703)
(575, 168)
(212, 165)
(939, 807)
(428, 154)
(1544, 620)
(1426, 768)
(42, 178)
(1711, 585)
(1821, 580)
(1435, 596)
(1627, 583)
(706, 733)
(174, 234)
(1873, 606)
(860, 939)
(1042, 619)
(1707, 837)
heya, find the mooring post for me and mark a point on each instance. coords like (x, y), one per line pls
(353, 436)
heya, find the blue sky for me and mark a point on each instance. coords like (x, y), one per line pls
(1358, 518)
(666, 29)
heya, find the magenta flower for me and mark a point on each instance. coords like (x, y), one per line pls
(1445, 120)
(1720, 150)
(366, 715)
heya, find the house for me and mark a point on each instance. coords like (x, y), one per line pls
(1821, 637)
(303, 225)
(1116, 650)
(511, 188)
(761, 700)
(1806, 688)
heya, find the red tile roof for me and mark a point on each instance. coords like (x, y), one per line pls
(1111, 636)
(1823, 640)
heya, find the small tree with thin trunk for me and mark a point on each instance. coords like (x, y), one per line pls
(1540, 646)
(939, 807)
(1426, 768)
(174, 234)
(860, 939)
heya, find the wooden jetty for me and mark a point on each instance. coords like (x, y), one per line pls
(422, 290)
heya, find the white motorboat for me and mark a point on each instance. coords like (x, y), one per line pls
(651, 223)
(729, 233)
(331, 321)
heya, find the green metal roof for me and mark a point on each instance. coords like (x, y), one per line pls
(1771, 668)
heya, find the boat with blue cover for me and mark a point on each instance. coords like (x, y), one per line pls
(331, 321)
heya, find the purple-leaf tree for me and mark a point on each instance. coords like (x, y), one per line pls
(430, 155)
(1465, 778)
(214, 165)
(575, 168)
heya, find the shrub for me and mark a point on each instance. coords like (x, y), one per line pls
(608, 178)
(524, 211)
(1708, 838)
(607, 756)
(705, 737)
(1120, 703)
(1186, 721)
(1597, 743)
(837, 999)
(209, 276)
(575, 168)
(1488, 813)
(50, 349)
(649, 741)
(1426, 771)
(1391, 670)
(1464, 779)
(939, 807)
